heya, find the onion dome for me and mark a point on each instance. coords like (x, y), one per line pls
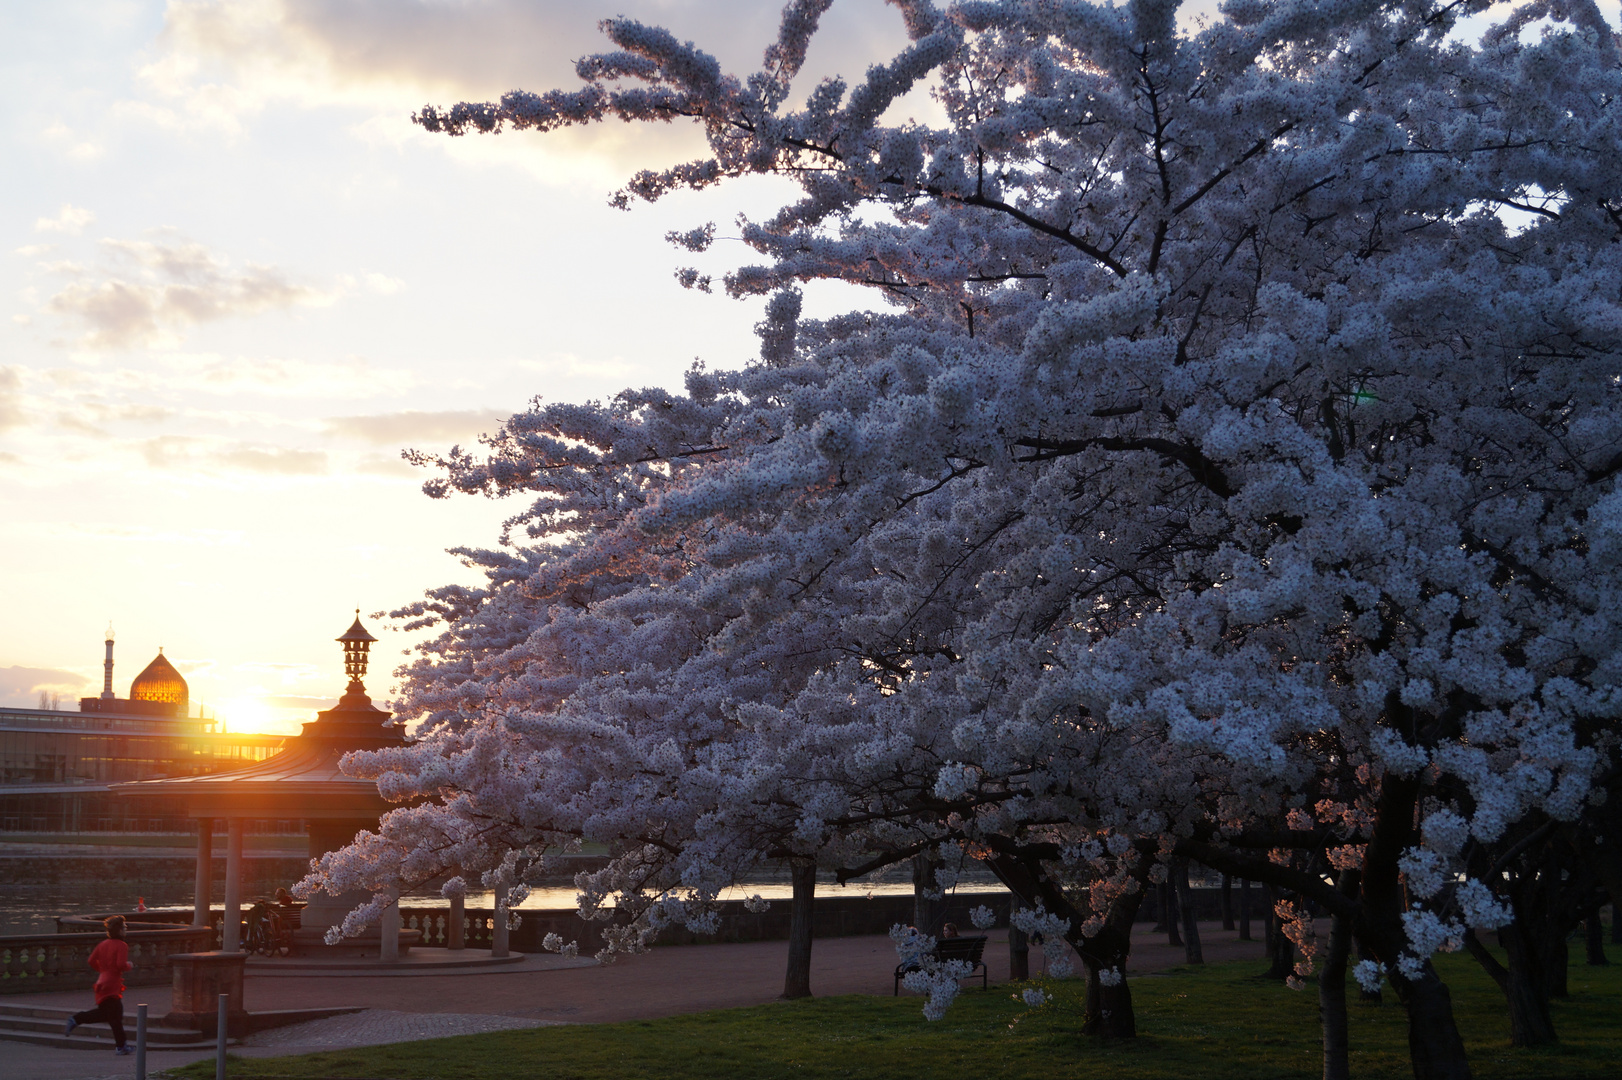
(160, 682)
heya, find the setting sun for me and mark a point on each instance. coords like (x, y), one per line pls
(252, 714)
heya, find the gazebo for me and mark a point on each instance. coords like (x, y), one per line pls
(303, 781)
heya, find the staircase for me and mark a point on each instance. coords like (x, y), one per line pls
(42, 1025)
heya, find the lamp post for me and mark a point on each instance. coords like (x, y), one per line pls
(357, 643)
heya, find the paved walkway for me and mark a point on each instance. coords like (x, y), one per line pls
(547, 990)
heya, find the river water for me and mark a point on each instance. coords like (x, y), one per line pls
(39, 882)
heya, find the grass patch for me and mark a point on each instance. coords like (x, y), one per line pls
(1220, 1022)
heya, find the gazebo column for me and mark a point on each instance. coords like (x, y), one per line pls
(454, 937)
(231, 936)
(203, 892)
(498, 925)
(389, 926)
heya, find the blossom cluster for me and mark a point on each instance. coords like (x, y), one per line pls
(1197, 488)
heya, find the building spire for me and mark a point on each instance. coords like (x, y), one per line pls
(107, 668)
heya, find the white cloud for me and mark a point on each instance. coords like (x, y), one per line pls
(191, 453)
(20, 687)
(124, 534)
(78, 149)
(89, 417)
(299, 701)
(11, 397)
(272, 376)
(390, 466)
(149, 292)
(174, 376)
(376, 284)
(276, 461)
(400, 428)
(222, 61)
(70, 219)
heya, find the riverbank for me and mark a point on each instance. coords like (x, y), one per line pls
(43, 875)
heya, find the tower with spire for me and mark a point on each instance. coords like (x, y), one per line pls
(159, 690)
(107, 669)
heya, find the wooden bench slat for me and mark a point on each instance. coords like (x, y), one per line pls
(971, 950)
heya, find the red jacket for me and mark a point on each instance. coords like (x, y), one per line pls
(111, 959)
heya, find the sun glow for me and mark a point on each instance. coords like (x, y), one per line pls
(251, 715)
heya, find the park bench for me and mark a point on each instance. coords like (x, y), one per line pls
(971, 950)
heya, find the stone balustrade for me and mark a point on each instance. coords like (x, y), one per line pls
(435, 926)
(154, 919)
(35, 962)
(835, 916)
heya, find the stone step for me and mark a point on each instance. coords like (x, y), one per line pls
(43, 1025)
(102, 1045)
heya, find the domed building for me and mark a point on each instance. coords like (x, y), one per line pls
(159, 690)
(160, 684)
(56, 767)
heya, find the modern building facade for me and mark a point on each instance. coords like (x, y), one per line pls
(56, 767)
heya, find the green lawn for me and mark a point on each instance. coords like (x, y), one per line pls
(1219, 1022)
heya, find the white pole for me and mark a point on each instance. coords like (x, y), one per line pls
(140, 1042)
(203, 888)
(231, 937)
(219, 1041)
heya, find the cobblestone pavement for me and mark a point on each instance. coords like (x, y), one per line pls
(376, 1026)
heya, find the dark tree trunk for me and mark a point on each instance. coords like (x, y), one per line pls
(1244, 910)
(1616, 925)
(1556, 959)
(1595, 936)
(926, 913)
(1435, 1049)
(1269, 895)
(1530, 1022)
(1332, 990)
(1192, 953)
(1169, 914)
(1283, 961)
(797, 983)
(1161, 907)
(1109, 1008)
(1227, 901)
(1368, 997)
(1019, 950)
(1280, 949)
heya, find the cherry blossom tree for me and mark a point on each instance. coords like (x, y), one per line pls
(1232, 477)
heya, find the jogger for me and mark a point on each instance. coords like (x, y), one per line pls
(110, 959)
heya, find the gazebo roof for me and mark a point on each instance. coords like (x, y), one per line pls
(356, 631)
(303, 781)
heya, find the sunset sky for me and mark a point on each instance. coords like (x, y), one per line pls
(239, 281)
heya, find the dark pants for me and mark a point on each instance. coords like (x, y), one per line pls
(109, 1011)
